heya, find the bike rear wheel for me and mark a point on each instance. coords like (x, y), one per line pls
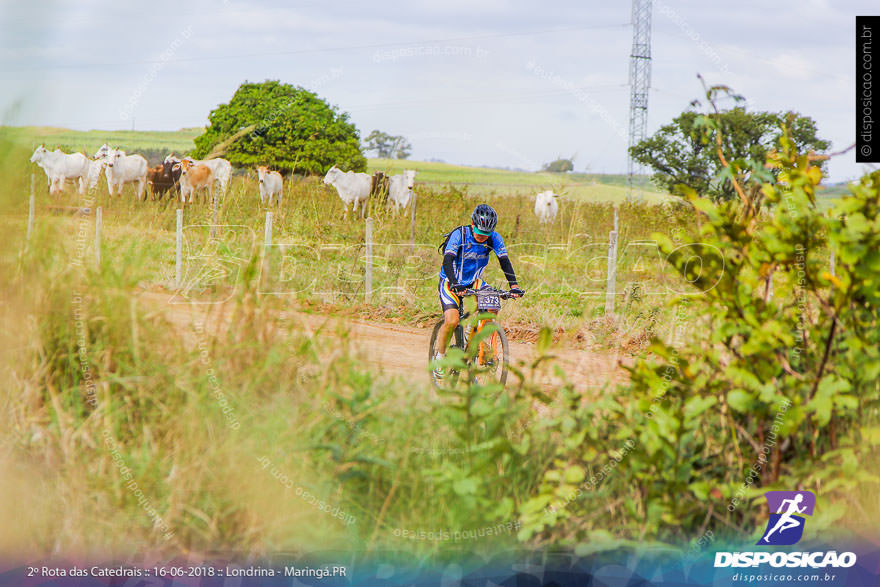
(455, 341)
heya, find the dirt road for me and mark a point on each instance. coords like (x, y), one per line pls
(396, 350)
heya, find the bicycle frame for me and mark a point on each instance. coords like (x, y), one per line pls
(495, 344)
(466, 333)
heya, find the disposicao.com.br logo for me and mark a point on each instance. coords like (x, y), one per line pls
(784, 528)
(786, 525)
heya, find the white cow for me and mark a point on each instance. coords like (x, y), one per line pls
(400, 188)
(271, 183)
(60, 166)
(122, 169)
(220, 168)
(352, 187)
(546, 207)
(103, 151)
(95, 169)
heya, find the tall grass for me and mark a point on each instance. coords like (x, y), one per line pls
(124, 432)
(318, 254)
(219, 439)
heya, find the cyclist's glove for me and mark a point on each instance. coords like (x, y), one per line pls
(458, 288)
(516, 292)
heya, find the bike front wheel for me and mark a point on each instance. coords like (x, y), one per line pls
(456, 340)
(492, 357)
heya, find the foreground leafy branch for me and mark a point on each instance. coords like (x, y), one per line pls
(770, 391)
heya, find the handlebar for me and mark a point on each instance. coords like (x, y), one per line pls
(504, 295)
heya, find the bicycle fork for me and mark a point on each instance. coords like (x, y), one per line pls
(485, 346)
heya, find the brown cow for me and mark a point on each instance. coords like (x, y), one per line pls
(379, 187)
(193, 177)
(162, 178)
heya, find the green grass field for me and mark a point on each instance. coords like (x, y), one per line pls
(478, 180)
(487, 181)
(490, 180)
(177, 141)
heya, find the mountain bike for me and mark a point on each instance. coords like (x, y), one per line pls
(488, 362)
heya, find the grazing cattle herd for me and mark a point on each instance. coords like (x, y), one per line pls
(185, 176)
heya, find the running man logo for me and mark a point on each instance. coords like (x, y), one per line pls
(787, 508)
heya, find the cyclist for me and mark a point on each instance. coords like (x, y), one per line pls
(464, 258)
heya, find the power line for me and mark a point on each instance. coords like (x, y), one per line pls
(515, 96)
(675, 94)
(508, 97)
(315, 50)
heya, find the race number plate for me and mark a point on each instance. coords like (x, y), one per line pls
(488, 302)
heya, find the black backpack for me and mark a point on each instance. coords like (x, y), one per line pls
(446, 236)
(462, 228)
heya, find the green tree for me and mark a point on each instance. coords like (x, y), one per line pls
(773, 391)
(560, 165)
(685, 152)
(387, 146)
(285, 127)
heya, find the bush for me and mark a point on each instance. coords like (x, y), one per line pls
(284, 127)
(772, 392)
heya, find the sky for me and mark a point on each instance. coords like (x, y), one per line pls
(502, 83)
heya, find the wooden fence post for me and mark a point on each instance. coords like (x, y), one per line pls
(612, 273)
(267, 248)
(368, 270)
(412, 226)
(267, 234)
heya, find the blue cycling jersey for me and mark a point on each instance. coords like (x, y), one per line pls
(471, 257)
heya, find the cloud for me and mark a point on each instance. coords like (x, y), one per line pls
(794, 67)
(786, 55)
(464, 7)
